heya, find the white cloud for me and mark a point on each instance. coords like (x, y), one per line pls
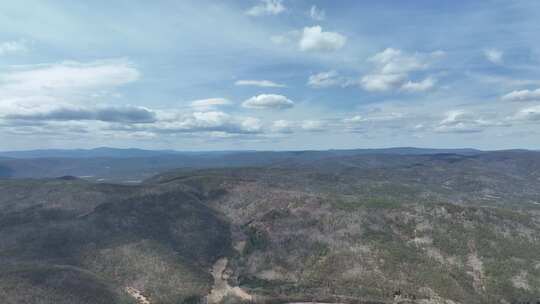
(394, 61)
(530, 114)
(209, 103)
(460, 121)
(267, 7)
(282, 126)
(317, 14)
(392, 68)
(125, 114)
(60, 86)
(381, 82)
(209, 121)
(68, 77)
(355, 119)
(328, 79)
(323, 80)
(133, 121)
(522, 95)
(421, 86)
(494, 56)
(252, 125)
(13, 47)
(373, 117)
(287, 127)
(419, 127)
(315, 39)
(313, 125)
(268, 101)
(78, 96)
(259, 83)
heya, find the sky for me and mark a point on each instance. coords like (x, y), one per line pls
(269, 74)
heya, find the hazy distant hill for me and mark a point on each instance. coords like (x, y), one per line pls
(134, 164)
(86, 153)
(129, 153)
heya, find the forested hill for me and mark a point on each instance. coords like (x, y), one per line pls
(358, 228)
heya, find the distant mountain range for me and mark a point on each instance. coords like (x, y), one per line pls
(85, 153)
(133, 152)
(134, 165)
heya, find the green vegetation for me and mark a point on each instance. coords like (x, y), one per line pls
(162, 244)
(369, 203)
(257, 239)
(360, 229)
(34, 283)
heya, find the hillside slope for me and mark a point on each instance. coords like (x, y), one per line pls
(317, 244)
(440, 228)
(161, 244)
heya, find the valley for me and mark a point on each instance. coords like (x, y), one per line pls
(436, 228)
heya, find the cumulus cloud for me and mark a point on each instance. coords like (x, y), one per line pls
(522, 95)
(268, 101)
(61, 86)
(286, 127)
(315, 39)
(61, 92)
(494, 56)
(210, 121)
(420, 86)
(328, 79)
(267, 7)
(207, 123)
(381, 82)
(393, 61)
(311, 39)
(209, 103)
(313, 125)
(282, 126)
(460, 121)
(316, 13)
(259, 83)
(392, 68)
(13, 47)
(204, 120)
(251, 125)
(70, 98)
(203, 123)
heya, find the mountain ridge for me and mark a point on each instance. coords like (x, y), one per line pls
(136, 152)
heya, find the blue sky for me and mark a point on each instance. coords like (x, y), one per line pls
(269, 75)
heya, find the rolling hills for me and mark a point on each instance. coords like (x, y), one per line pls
(337, 227)
(134, 165)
